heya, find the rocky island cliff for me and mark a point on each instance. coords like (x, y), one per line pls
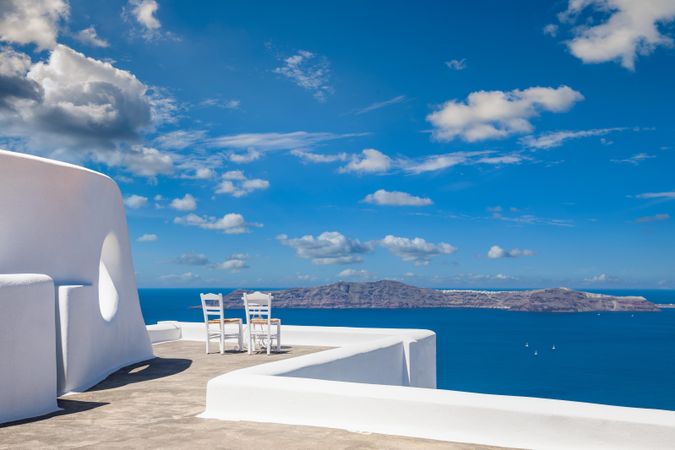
(394, 294)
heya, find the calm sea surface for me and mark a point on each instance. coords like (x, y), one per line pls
(623, 359)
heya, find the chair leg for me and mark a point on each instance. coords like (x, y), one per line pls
(207, 339)
(222, 341)
(278, 337)
(250, 340)
(240, 338)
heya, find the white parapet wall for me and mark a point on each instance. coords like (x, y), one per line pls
(68, 223)
(27, 346)
(382, 380)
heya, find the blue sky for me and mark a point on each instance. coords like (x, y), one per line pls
(474, 144)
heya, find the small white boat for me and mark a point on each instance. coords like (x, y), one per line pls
(536, 353)
(527, 344)
(553, 348)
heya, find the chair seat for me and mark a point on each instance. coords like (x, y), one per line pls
(264, 321)
(226, 320)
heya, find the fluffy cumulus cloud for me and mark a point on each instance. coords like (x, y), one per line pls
(330, 247)
(191, 259)
(32, 21)
(369, 161)
(396, 198)
(234, 263)
(142, 14)
(236, 184)
(77, 108)
(245, 157)
(626, 29)
(497, 252)
(416, 250)
(231, 223)
(498, 114)
(185, 203)
(136, 201)
(149, 237)
(309, 71)
(88, 36)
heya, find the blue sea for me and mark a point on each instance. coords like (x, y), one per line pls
(625, 359)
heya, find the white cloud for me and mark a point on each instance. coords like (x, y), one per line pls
(141, 161)
(551, 30)
(231, 223)
(276, 141)
(629, 28)
(89, 36)
(219, 103)
(439, 162)
(202, 173)
(456, 64)
(498, 114)
(370, 161)
(601, 278)
(497, 252)
(192, 259)
(654, 218)
(234, 263)
(244, 158)
(380, 105)
(513, 158)
(657, 195)
(309, 71)
(76, 108)
(148, 238)
(237, 185)
(396, 198)
(499, 213)
(144, 12)
(319, 158)
(354, 273)
(32, 21)
(187, 203)
(180, 139)
(330, 247)
(557, 138)
(136, 201)
(635, 159)
(416, 250)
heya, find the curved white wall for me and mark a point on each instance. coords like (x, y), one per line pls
(69, 223)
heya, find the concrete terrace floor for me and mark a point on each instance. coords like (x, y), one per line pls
(154, 404)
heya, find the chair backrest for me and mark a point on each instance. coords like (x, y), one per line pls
(212, 305)
(258, 306)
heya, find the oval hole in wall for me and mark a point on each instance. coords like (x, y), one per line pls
(108, 277)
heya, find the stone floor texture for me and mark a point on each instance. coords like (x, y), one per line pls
(153, 405)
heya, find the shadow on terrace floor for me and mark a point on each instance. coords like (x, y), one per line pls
(144, 371)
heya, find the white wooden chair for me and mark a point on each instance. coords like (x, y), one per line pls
(259, 322)
(212, 305)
